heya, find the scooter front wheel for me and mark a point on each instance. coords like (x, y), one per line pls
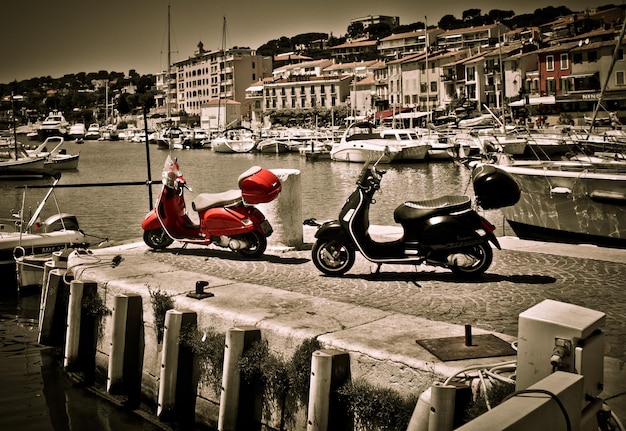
(332, 257)
(157, 239)
(471, 262)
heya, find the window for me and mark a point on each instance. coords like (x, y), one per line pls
(619, 77)
(549, 62)
(564, 61)
(592, 56)
(433, 86)
(550, 86)
(577, 58)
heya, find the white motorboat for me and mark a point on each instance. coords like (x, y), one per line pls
(235, 140)
(569, 201)
(77, 131)
(15, 160)
(36, 241)
(57, 158)
(93, 132)
(359, 143)
(54, 124)
(412, 148)
(173, 138)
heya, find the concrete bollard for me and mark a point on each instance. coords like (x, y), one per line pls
(53, 307)
(285, 212)
(442, 405)
(177, 390)
(329, 370)
(125, 358)
(232, 412)
(76, 332)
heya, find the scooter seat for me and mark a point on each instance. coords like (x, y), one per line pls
(414, 210)
(204, 201)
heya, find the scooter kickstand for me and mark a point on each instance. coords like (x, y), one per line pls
(380, 265)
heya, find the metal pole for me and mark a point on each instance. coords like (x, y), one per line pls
(149, 182)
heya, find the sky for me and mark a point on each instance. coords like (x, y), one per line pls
(43, 38)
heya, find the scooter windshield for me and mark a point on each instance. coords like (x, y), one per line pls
(171, 173)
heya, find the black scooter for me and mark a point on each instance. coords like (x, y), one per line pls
(446, 231)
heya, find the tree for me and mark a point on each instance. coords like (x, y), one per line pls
(355, 29)
(470, 14)
(449, 22)
(122, 105)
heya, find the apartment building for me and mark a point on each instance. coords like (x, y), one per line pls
(213, 75)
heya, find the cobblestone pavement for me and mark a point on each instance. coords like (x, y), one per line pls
(516, 281)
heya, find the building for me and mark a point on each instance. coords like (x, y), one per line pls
(215, 75)
(398, 45)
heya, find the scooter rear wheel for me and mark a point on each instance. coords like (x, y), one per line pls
(332, 257)
(157, 239)
(257, 245)
(482, 256)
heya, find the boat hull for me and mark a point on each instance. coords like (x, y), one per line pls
(572, 205)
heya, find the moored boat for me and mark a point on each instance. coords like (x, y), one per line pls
(359, 143)
(57, 158)
(234, 140)
(93, 132)
(569, 201)
(54, 124)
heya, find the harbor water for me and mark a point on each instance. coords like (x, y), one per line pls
(36, 394)
(116, 212)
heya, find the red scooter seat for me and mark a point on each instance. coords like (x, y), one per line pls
(414, 210)
(204, 201)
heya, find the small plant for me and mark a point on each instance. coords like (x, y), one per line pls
(208, 347)
(93, 306)
(497, 392)
(161, 302)
(376, 409)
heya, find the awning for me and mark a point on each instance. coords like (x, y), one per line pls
(389, 112)
(543, 100)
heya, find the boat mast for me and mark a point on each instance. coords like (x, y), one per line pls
(14, 126)
(219, 90)
(169, 58)
(608, 75)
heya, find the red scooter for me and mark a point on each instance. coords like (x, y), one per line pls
(228, 219)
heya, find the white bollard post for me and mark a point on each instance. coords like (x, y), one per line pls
(125, 335)
(74, 321)
(48, 308)
(329, 369)
(237, 340)
(168, 383)
(285, 212)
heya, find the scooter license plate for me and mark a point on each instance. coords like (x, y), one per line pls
(266, 228)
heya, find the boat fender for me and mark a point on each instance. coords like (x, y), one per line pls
(608, 197)
(560, 191)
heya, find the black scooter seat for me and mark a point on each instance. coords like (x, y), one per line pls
(204, 201)
(414, 210)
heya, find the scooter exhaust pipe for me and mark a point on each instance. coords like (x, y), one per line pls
(238, 244)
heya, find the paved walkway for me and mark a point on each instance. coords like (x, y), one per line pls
(523, 274)
(516, 281)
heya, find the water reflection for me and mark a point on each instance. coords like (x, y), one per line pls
(35, 393)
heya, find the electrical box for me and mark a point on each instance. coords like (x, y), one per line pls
(556, 336)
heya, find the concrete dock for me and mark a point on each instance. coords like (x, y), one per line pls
(377, 318)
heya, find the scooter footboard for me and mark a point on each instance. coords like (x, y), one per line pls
(450, 232)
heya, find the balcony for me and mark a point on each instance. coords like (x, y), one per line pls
(448, 77)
